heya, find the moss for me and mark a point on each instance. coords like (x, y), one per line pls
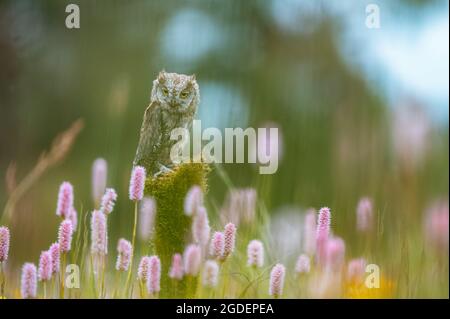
(172, 225)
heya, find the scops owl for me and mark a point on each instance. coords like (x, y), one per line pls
(173, 104)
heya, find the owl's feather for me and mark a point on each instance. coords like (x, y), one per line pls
(150, 138)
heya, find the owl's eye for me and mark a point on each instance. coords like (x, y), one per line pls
(165, 91)
(184, 94)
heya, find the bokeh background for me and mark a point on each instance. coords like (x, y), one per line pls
(362, 112)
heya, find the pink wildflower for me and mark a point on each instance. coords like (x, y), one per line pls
(147, 218)
(65, 236)
(436, 226)
(108, 201)
(230, 238)
(210, 273)
(124, 252)
(322, 233)
(28, 281)
(255, 253)
(99, 233)
(73, 217)
(193, 200)
(364, 215)
(356, 270)
(99, 176)
(154, 275)
(45, 266)
(54, 252)
(143, 268)
(200, 227)
(277, 280)
(335, 254)
(192, 260)
(217, 245)
(303, 265)
(4, 243)
(137, 183)
(65, 200)
(176, 270)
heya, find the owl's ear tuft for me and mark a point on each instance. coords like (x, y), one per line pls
(192, 78)
(162, 77)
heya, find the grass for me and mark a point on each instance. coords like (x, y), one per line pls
(408, 267)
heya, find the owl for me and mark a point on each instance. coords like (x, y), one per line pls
(173, 104)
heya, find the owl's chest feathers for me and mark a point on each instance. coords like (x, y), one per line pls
(170, 121)
(163, 126)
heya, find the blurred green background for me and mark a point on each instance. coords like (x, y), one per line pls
(345, 98)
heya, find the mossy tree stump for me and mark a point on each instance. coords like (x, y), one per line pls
(172, 226)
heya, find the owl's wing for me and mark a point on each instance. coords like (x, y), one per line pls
(150, 138)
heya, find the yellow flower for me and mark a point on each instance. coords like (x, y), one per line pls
(358, 290)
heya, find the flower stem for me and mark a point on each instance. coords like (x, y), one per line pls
(93, 276)
(141, 289)
(102, 278)
(116, 283)
(2, 281)
(133, 240)
(224, 268)
(45, 290)
(53, 288)
(62, 272)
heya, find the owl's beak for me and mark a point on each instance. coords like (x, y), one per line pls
(173, 103)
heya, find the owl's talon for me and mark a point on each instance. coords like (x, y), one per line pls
(165, 169)
(162, 170)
